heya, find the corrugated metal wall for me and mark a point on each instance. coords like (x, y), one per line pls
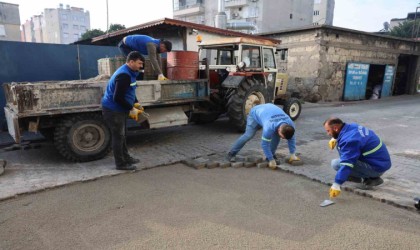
(33, 62)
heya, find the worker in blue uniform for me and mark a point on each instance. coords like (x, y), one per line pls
(118, 103)
(276, 125)
(363, 155)
(147, 46)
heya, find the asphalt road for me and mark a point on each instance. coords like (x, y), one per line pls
(177, 207)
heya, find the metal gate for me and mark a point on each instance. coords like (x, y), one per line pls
(32, 62)
(356, 80)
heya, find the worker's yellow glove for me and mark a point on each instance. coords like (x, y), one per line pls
(293, 158)
(332, 143)
(162, 77)
(138, 106)
(272, 164)
(134, 114)
(335, 190)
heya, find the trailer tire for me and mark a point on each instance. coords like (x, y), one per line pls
(82, 138)
(251, 92)
(292, 108)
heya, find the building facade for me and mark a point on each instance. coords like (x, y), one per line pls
(256, 16)
(9, 22)
(63, 25)
(326, 63)
(323, 12)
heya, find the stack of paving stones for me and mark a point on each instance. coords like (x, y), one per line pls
(246, 159)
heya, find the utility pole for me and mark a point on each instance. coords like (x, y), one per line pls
(107, 18)
(416, 31)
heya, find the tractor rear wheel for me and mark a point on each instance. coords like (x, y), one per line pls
(250, 93)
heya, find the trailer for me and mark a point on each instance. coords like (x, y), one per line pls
(69, 113)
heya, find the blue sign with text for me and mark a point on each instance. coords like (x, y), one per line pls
(387, 84)
(356, 80)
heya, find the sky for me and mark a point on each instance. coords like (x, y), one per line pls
(364, 15)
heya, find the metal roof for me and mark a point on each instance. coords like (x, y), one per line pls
(237, 40)
(333, 28)
(172, 22)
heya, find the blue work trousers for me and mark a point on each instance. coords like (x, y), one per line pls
(360, 169)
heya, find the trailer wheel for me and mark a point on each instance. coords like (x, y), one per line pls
(82, 138)
(250, 93)
(292, 108)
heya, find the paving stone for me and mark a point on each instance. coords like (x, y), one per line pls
(224, 164)
(212, 164)
(194, 163)
(237, 164)
(250, 164)
(220, 160)
(240, 158)
(262, 165)
(256, 159)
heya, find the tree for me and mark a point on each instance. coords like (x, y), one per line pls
(91, 34)
(115, 27)
(386, 26)
(406, 29)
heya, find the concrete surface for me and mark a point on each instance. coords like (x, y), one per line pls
(395, 119)
(177, 207)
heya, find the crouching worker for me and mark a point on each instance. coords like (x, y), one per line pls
(275, 124)
(363, 155)
(118, 103)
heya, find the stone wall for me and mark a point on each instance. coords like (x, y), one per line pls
(302, 63)
(317, 58)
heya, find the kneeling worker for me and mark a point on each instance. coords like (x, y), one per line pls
(363, 155)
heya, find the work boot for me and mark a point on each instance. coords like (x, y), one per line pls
(126, 166)
(373, 181)
(355, 179)
(132, 160)
(230, 157)
(278, 162)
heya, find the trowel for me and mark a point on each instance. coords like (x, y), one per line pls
(326, 203)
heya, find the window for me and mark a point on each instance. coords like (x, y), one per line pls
(251, 56)
(76, 36)
(82, 19)
(2, 30)
(65, 35)
(283, 54)
(291, 16)
(316, 12)
(64, 16)
(317, 1)
(75, 27)
(269, 58)
(65, 26)
(83, 28)
(225, 57)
